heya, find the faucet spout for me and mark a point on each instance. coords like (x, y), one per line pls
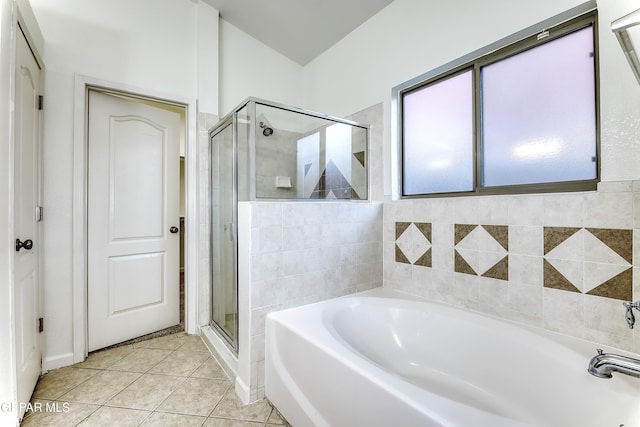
(603, 364)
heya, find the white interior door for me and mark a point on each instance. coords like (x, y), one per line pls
(26, 230)
(133, 219)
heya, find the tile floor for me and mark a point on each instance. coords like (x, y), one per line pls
(167, 381)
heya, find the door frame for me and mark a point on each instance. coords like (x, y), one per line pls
(79, 211)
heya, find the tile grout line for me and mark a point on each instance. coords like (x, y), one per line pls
(227, 390)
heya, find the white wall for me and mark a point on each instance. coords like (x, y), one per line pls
(159, 46)
(411, 37)
(250, 68)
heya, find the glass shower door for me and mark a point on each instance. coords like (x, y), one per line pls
(224, 300)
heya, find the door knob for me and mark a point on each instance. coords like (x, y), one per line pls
(174, 229)
(27, 244)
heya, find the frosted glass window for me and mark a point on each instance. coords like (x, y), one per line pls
(438, 137)
(518, 116)
(538, 114)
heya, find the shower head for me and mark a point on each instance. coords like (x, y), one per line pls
(266, 130)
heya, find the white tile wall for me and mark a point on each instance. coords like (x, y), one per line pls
(523, 297)
(306, 252)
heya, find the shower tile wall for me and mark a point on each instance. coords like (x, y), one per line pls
(564, 262)
(277, 154)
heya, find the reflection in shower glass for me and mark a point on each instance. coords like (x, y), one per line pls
(300, 156)
(262, 150)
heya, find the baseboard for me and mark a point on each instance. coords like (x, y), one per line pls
(227, 360)
(60, 361)
(243, 391)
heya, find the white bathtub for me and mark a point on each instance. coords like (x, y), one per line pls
(380, 358)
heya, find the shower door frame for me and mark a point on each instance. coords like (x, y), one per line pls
(249, 193)
(230, 120)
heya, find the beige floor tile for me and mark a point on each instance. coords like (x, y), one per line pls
(110, 417)
(147, 392)
(140, 360)
(210, 369)
(195, 396)
(193, 343)
(226, 422)
(275, 418)
(49, 413)
(58, 382)
(169, 342)
(165, 419)
(102, 387)
(232, 407)
(105, 358)
(181, 363)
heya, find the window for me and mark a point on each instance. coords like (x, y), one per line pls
(521, 118)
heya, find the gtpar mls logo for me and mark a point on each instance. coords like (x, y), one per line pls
(35, 407)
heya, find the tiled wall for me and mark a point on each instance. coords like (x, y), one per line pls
(303, 252)
(564, 262)
(307, 252)
(277, 154)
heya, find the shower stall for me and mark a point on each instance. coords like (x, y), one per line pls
(268, 152)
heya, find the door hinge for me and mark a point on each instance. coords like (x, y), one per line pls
(41, 324)
(40, 102)
(39, 213)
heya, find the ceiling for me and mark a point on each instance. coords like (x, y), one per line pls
(299, 29)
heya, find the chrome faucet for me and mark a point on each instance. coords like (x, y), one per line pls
(631, 320)
(603, 364)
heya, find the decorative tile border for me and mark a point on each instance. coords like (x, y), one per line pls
(482, 250)
(593, 261)
(413, 243)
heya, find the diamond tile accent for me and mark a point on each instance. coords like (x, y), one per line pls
(569, 270)
(461, 231)
(594, 261)
(620, 241)
(556, 280)
(401, 257)
(572, 248)
(499, 271)
(500, 233)
(424, 228)
(618, 287)
(461, 265)
(413, 243)
(425, 260)
(596, 274)
(482, 250)
(553, 236)
(401, 227)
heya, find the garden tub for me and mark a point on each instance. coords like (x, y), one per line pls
(383, 358)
